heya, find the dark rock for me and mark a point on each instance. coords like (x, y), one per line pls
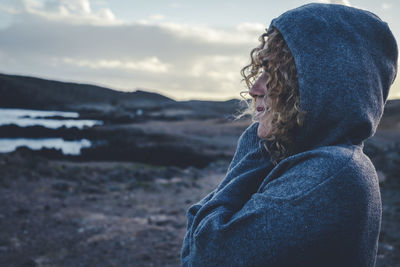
(29, 263)
(91, 190)
(385, 158)
(393, 160)
(172, 171)
(91, 198)
(61, 186)
(177, 225)
(22, 211)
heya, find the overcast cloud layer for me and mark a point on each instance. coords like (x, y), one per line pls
(69, 41)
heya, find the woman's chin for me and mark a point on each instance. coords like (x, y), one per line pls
(261, 133)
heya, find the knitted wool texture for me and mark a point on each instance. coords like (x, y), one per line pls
(321, 206)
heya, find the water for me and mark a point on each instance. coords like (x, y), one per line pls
(67, 147)
(28, 117)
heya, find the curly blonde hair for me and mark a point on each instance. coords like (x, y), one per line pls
(282, 85)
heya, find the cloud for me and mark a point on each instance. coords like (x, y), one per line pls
(72, 41)
(217, 67)
(175, 5)
(71, 11)
(386, 5)
(151, 64)
(243, 34)
(342, 2)
(157, 17)
(78, 6)
(250, 27)
(8, 9)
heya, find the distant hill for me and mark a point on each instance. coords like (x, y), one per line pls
(35, 93)
(29, 92)
(392, 107)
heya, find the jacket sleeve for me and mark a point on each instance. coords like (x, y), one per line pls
(248, 144)
(249, 147)
(312, 229)
(247, 170)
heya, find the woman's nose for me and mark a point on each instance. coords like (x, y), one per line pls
(259, 87)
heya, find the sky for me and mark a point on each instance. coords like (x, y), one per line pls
(181, 49)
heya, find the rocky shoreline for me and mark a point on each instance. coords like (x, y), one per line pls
(114, 143)
(123, 201)
(65, 213)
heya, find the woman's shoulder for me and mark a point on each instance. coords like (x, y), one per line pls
(333, 168)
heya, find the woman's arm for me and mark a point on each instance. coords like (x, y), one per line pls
(249, 167)
(248, 148)
(278, 228)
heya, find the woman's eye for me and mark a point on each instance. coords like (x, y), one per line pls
(257, 96)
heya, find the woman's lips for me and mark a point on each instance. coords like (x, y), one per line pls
(260, 110)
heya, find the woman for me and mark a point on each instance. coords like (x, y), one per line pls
(275, 94)
(299, 190)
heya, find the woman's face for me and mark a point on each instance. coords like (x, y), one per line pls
(257, 91)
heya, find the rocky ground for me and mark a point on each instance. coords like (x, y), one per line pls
(58, 212)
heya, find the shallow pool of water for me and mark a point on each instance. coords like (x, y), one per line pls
(67, 147)
(28, 117)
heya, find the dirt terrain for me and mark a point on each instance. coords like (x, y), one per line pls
(57, 213)
(64, 213)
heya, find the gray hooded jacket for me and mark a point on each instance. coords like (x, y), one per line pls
(322, 205)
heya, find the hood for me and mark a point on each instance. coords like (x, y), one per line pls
(346, 61)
